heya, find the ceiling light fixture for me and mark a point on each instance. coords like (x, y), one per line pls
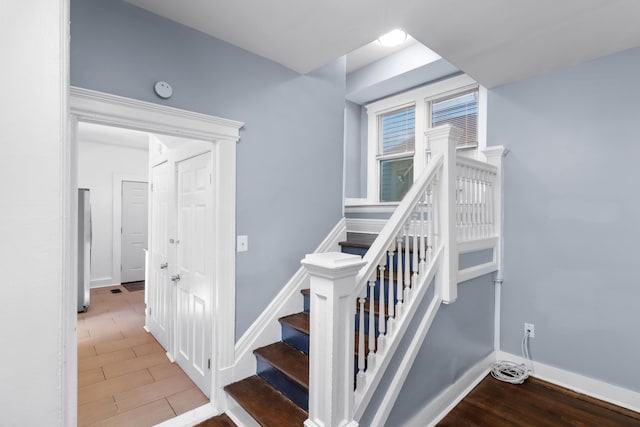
(393, 38)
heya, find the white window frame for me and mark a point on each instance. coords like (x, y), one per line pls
(420, 97)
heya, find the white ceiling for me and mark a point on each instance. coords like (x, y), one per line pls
(92, 132)
(494, 41)
(374, 51)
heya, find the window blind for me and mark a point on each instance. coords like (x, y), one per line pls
(460, 111)
(397, 131)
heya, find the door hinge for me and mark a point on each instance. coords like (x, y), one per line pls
(209, 364)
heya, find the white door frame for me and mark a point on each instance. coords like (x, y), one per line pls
(98, 107)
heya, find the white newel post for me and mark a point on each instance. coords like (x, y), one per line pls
(332, 278)
(495, 156)
(442, 140)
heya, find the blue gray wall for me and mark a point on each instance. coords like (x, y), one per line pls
(571, 216)
(460, 336)
(289, 166)
(352, 150)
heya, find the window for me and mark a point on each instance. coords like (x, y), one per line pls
(397, 145)
(461, 111)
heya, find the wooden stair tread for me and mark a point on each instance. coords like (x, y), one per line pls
(265, 404)
(219, 421)
(291, 362)
(365, 240)
(359, 240)
(298, 321)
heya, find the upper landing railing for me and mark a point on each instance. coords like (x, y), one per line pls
(453, 206)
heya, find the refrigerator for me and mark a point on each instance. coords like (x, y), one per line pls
(84, 249)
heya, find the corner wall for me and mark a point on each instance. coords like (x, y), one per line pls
(571, 216)
(37, 333)
(289, 158)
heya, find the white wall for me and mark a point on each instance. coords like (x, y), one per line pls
(98, 164)
(34, 328)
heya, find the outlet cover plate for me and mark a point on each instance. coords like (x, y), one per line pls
(242, 243)
(531, 328)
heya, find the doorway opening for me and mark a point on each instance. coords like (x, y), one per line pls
(164, 127)
(126, 372)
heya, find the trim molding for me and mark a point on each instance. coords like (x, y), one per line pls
(592, 387)
(103, 108)
(439, 407)
(222, 134)
(364, 225)
(266, 328)
(103, 282)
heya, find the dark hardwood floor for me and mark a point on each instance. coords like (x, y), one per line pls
(535, 403)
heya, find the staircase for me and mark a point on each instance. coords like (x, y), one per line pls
(364, 304)
(278, 395)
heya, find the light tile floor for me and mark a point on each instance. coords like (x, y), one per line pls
(124, 376)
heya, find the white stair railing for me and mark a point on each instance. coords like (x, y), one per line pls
(475, 199)
(453, 199)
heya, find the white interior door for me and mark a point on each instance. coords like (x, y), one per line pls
(194, 265)
(134, 230)
(160, 289)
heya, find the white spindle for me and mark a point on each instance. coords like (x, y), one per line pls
(361, 335)
(407, 263)
(400, 271)
(372, 318)
(382, 327)
(392, 285)
(423, 230)
(414, 272)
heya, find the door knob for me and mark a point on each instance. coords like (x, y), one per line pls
(164, 265)
(175, 278)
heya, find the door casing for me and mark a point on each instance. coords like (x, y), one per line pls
(222, 135)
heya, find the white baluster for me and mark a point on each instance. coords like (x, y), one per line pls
(400, 272)
(361, 349)
(407, 265)
(414, 276)
(372, 320)
(382, 327)
(423, 230)
(431, 224)
(392, 286)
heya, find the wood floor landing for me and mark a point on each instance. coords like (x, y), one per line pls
(535, 403)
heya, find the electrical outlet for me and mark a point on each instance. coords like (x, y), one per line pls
(531, 328)
(242, 243)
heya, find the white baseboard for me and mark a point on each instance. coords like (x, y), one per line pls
(192, 417)
(597, 389)
(102, 283)
(436, 410)
(266, 329)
